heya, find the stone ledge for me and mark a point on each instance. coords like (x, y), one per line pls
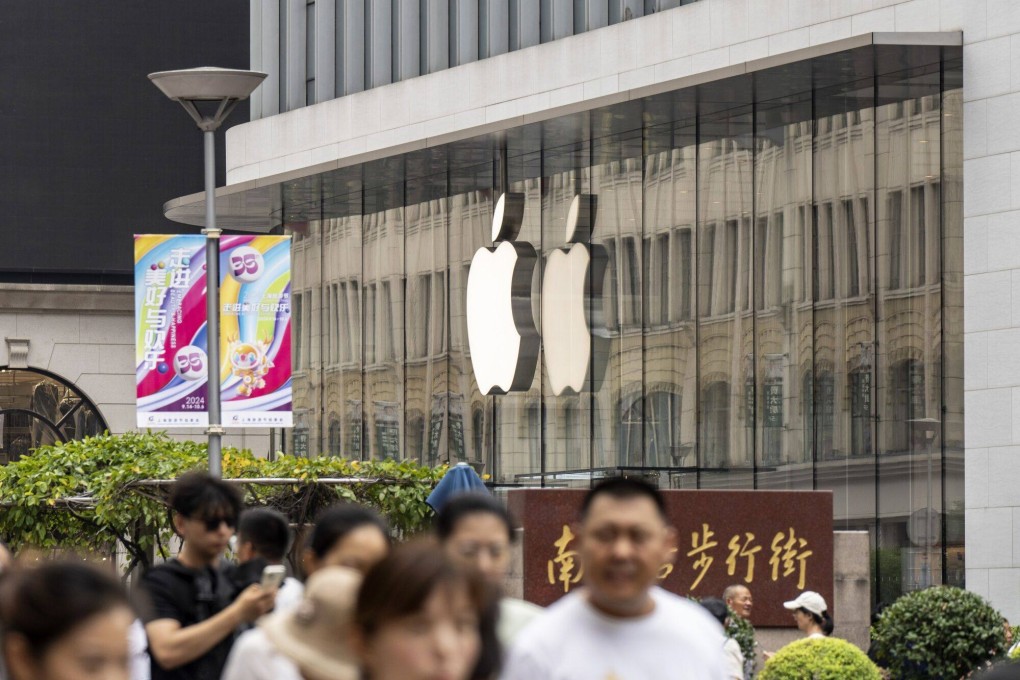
(31, 298)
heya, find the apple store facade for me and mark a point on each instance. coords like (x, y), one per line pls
(767, 270)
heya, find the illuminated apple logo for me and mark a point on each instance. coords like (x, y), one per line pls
(501, 329)
(572, 304)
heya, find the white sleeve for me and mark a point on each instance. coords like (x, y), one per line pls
(138, 646)
(721, 670)
(244, 662)
(289, 596)
(734, 660)
(522, 665)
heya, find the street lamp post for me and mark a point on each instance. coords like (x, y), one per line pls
(219, 90)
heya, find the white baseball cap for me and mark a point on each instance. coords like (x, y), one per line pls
(809, 600)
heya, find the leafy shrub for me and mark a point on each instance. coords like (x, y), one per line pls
(941, 632)
(92, 494)
(741, 630)
(819, 659)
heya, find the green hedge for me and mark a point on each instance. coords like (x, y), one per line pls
(85, 495)
(819, 659)
(940, 632)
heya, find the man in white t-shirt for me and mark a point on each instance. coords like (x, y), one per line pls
(620, 626)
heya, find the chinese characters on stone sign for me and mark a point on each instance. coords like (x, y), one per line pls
(562, 568)
(779, 543)
(789, 559)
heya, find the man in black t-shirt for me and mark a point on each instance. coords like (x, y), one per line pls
(194, 614)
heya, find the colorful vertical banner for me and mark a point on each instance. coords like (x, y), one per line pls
(255, 335)
(171, 376)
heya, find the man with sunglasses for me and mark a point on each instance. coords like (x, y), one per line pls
(194, 614)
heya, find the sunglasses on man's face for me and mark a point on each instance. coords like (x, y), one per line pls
(213, 523)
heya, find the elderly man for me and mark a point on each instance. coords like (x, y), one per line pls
(621, 625)
(738, 598)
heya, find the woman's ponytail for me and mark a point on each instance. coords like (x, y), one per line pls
(827, 624)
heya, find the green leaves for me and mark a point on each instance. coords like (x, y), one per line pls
(941, 632)
(741, 630)
(819, 659)
(88, 495)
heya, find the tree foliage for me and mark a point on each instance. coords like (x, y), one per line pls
(819, 659)
(941, 632)
(94, 494)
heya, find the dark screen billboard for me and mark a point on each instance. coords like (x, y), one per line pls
(91, 149)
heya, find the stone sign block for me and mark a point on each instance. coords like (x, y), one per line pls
(778, 543)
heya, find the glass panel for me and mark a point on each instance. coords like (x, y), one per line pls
(908, 153)
(952, 321)
(783, 310)
(342, 372)
(670, 361)
(844, 309)
(725, 317)
(566, 346)
(470, 209)
(519, 416)
(383, 261)
(435, 415)
(617, 181)
(306, 437)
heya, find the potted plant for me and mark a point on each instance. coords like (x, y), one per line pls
(941, 632)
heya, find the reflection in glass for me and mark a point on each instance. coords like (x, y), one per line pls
(781, 304)
(38, 409)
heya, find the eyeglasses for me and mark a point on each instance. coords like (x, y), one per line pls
(213, 523)
(472, 550)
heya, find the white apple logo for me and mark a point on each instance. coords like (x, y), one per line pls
(571, 286)
(501, 330)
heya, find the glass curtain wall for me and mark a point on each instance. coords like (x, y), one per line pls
(726, 387)
(771, 279)
(783, 370)
(670, 361)
(566, 409)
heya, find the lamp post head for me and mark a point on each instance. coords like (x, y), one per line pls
(929, 426)
(226, 86)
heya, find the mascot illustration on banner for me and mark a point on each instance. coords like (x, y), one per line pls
(250, 363)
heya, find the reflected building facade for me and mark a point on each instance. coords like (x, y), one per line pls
(780, 307)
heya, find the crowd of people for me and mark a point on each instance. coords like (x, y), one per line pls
(430, 608)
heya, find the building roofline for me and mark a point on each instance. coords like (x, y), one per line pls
(256, 204)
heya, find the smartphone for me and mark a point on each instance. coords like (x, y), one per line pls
(272, 576)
